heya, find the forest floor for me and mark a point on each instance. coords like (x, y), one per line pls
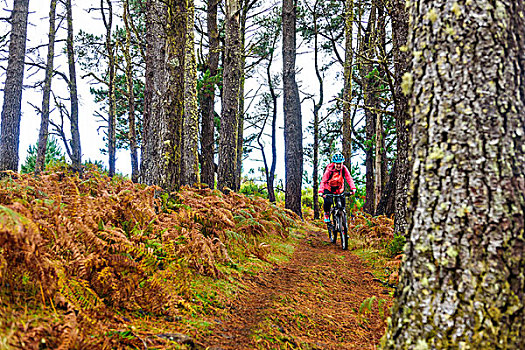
(322, 298)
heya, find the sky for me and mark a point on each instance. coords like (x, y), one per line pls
(91, 138)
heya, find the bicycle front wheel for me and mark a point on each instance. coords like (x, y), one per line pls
(331, 234)
(336, 227)
(344, 232)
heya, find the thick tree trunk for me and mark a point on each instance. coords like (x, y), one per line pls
(40, 162)
(400, 34)
(164, 93)
(293, 130)
(230, 99)
(176, 28)
(208, 99)
(190, 154)
(154, 123)
(11, 109)
(76, 151)
(462, 285)
(132, 134)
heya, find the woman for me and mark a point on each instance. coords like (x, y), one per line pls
(333, 183)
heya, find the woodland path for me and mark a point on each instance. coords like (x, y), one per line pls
(311, 302)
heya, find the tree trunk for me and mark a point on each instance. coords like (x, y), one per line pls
(270, 181)
(240, 125)
(401, 62)
(270, 175)
(112, 100)
(293, 131)
(40, 162)
(176, 29)
(378, 159)
(317, 109)
(386, 205)
(369, 88)
(76, 151)
(208, 99)
(347, 92)
(462, 285)
(132, 134)
(246, 6)
(154, 123)
(230, 99)
(381, 161)
(11, 110)
(190, 153)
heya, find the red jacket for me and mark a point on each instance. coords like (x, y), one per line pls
(330, 169)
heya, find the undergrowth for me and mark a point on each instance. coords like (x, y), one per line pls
(373, 239)
(90, 262)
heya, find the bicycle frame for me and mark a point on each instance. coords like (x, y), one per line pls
(338, 225)
(338, 203)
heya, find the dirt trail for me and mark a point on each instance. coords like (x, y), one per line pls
(312, 302)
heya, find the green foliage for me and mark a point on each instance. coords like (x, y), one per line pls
(307, 197)
(54, 154)
(91, 51)
(251, 188)
(396, 246)
(367, 305)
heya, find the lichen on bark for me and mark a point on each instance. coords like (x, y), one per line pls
(462, 284)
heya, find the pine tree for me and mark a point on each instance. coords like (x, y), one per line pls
(11, 109)
(462, 283)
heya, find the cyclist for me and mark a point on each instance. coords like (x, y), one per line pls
(333, 182)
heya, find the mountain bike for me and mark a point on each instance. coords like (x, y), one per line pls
(338, 224)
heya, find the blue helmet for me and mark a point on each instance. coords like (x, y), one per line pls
(338, 158)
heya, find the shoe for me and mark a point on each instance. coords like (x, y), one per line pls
(326, 217)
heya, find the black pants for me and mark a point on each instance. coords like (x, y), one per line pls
(329, 201)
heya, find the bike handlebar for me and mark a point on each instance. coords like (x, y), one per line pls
(347, 194)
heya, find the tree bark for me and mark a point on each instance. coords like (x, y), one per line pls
(270, 174)
(112, 100)
(317, 109)
(43, 134)
(76, 151)
(190, 153)
(164, 93)
(132, 134)
(230, 99)
(208, 99)
(11, 109)
(386, 205)
(369, 88)
(293, 132)
(154, 123)
(347, 92)
(176, 28)
(401, 62)
(462, 285)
